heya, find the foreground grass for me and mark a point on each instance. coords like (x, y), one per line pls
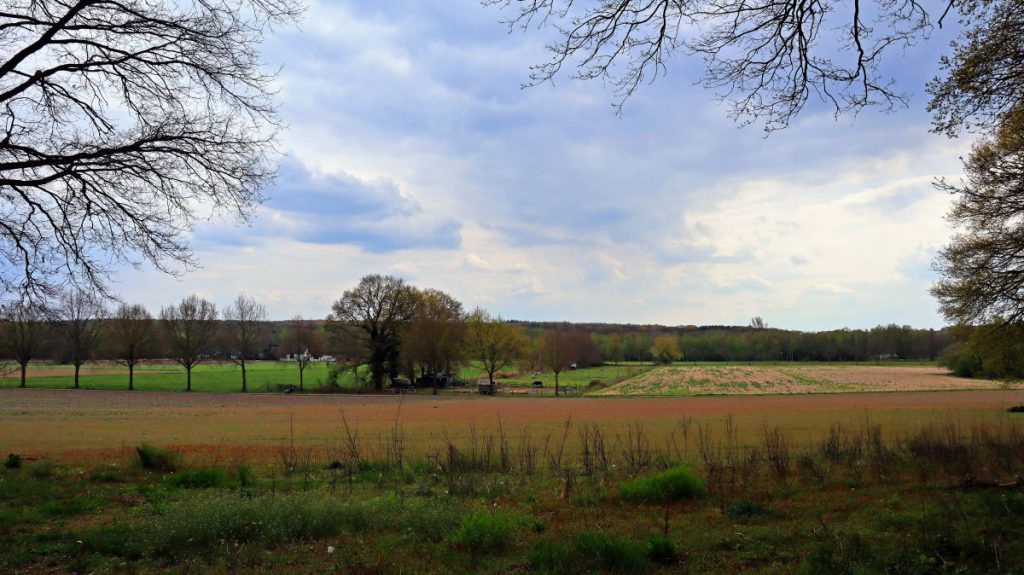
(944, 499)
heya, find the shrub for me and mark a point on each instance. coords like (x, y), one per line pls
(673, 484)
(484, 532)
(961, 360)
(588, 552)
(1016, 409)
(198, 478)
(662, 550)
(13, 461)
(44, 470)
(747, 509)
(157, 459)
(609, 551)
(206, 523)
(244, 475)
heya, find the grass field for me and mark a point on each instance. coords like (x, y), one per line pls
(221, 377)
(266, 483)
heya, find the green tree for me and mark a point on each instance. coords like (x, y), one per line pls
(666, 349)
(494, 342)
(434, 341)
(982, 268)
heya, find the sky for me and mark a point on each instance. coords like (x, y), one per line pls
(411, 149)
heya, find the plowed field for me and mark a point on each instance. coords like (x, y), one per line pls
(795, 379)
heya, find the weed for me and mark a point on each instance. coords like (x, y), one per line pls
(661, 550)
(157, 459)
(44, 469)
(12, 461)
(747, 510)
(484, 532)
(205, 478)
(673, 484)
(587, 552)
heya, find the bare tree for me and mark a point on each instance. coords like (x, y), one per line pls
(556, 351)
(767, 57)
(119, 119)
(23, 334)
(379, 309)
(246, 326)
(191, 330)
(133, 335)
(496, 343)
(303, 341)
(77, 327)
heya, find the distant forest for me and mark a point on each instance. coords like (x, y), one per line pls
(631, 342)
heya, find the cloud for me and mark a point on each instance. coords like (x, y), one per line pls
(340, 209)
(412, 150)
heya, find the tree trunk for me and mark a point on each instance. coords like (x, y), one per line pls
(301, 369)
(188, 378)
(24, 370)
(556, 384)
(77, 367)
(131, 376)
(244, 386)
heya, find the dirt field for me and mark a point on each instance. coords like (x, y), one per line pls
(94, 425)
(795, 379)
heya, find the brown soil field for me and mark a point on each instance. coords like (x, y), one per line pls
(796, 379)
(107, 425)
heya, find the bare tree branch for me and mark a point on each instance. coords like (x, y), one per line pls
(121, 122)
(767, 58)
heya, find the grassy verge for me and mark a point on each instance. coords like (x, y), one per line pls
(945, 498)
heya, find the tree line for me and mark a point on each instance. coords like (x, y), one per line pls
(384, 330)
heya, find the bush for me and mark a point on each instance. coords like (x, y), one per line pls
(484, 532)
(662, 550)
(198, 478)
(13, 461)
(673, 484)
(156, 459)
(1016, 409)
(588, 552)
(747, 509)
(43, 470)
(961, 360)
